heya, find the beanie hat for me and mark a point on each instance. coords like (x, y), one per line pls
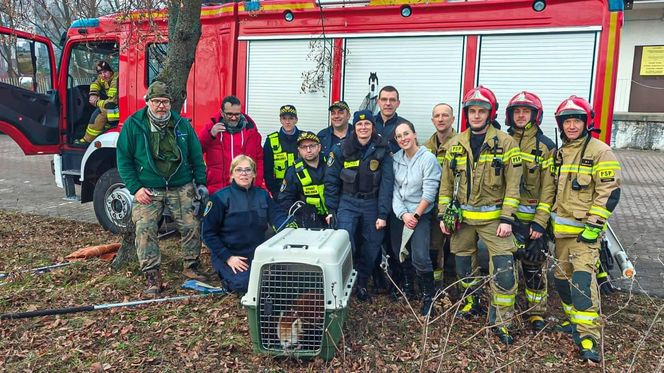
(363, 115)
(158, 89)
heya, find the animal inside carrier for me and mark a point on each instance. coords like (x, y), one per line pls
(299, 290)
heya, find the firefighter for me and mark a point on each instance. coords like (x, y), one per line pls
(304, 181)
(339, 128)
(358, 192)
(442, 117)
(416, 181)
(588, 190)
(523, 116)
(280, 149)
(485, 164)
(104, 97)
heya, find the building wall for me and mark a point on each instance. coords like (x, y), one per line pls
(642, 27)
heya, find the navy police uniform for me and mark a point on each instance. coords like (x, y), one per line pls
(279, 153)
(235, 223)
(358, 190)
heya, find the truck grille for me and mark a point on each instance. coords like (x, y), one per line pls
(292, 307)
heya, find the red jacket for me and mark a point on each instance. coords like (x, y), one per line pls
(219, 151)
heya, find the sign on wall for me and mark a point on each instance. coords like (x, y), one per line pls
(652, 61)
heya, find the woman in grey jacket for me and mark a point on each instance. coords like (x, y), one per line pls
(416, 180)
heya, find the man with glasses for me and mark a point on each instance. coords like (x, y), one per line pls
(158, 156)
(227, 135)
(280, 149)
(104, 97)
(304, 181)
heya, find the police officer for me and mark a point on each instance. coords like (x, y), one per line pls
(280, 149)
(358, 191)
(304, 182)
(588, 190)
(485, 163)
(339, 127)
(442, 117)
(104, 97)
(523, 116)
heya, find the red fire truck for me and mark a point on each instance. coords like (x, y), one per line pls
(306, 53)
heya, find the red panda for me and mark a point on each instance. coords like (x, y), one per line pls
(307, 310)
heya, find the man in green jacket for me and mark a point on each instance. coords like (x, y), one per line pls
(158, 157)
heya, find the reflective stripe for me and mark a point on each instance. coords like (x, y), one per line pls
(93, 132)
(481, 213)
(600, 211)
(568, 308)
(585, 170)
(112, 92)
(584, 317)
(566, 226)
(544, 207)
(444, 199)
(511, 202)
(473, 282)
(503, 300)
(525, 217)
(525, 212)
(608, 165)
(112, 114)
(535, 297)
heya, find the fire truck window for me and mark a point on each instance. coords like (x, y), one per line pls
(25, 63)
(82, 61)
(156, 57)
(80, 73)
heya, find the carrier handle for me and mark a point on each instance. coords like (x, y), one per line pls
(296, 246)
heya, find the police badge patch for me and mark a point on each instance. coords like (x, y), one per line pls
(330, 160)
(373, 164)
(208, 207)
(283, 186)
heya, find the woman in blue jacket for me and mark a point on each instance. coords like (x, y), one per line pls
(236, 219)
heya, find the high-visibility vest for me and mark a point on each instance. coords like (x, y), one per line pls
(313, 193)
(282, 159)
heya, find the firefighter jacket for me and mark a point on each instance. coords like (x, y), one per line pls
(279, 153)
(588, 185)
(108, 94)
(437, 148)
(304, 183)
(363, 172)
(537, 184)
(219, 151)
(488, 186)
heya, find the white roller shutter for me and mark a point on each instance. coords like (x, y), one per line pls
(274, 78)
(425, 70)
(553, 66)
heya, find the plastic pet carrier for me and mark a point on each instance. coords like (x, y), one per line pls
(299, 291)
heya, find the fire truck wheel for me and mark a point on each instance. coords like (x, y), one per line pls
(112, 202)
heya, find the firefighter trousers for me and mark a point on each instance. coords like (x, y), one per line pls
(502, 269)
(576, 269)
(98, 121)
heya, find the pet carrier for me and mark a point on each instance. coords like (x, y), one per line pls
(299, 290)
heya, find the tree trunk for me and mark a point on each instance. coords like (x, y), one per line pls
(184, 31)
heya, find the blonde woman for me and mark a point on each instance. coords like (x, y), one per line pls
(236, 219)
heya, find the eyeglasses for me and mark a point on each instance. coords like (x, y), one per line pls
(244, 171)
(160, 102)
(232, 115)
(308, 147)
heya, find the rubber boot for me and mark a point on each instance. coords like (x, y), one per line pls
(153, 279)
(426, 282)
(588, 350)
(408, 285)
(503, 334)
(362, 293)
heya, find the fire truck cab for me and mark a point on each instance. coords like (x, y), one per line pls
(307, 53)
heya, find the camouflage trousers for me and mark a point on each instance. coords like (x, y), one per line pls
(146, 219)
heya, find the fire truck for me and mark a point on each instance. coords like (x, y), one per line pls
(307, 53)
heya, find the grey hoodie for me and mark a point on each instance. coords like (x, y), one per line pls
(415, 179)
